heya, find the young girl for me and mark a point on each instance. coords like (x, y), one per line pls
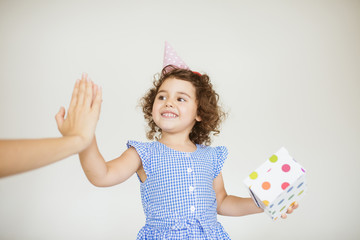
(182, 188)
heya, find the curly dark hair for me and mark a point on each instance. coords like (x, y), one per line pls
(208, 108)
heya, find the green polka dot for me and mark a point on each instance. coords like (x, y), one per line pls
(300, 192)
(254, 175)
(273, 159)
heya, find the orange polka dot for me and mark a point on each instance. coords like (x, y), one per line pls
(266, 185)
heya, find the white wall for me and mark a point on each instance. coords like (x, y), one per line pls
(288, 72)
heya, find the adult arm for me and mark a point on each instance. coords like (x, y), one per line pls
(77, 128)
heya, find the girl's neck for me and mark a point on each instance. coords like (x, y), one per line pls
(183, 144)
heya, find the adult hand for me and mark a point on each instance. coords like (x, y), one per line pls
(83, 113)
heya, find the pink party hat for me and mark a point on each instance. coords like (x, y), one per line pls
(171, 58)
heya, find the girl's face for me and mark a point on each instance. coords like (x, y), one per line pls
(175, 106)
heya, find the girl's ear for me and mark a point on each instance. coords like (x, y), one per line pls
(198, 118)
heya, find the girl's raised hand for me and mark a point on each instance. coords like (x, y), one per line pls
(83, 113)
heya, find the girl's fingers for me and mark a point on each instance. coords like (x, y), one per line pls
(94, 90)
(88, 93)
(82, 90)
(74, 96)
(84, 76)
(290, 210)
(292, 207)
(96, 105)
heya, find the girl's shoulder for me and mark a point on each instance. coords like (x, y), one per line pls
(217, 149)
(140, 144)
(148, 147)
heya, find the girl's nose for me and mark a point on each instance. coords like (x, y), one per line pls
(168, 104)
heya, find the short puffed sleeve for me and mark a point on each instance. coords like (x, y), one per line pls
(143, 150)
(221, 155)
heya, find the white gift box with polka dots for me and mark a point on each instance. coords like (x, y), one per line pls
(277, 183)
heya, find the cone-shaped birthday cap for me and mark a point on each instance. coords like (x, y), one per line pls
(171, 58)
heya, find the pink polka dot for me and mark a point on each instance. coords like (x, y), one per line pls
(284, 185)
(286, 167)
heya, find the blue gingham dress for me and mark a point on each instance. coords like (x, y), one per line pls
(178, 196)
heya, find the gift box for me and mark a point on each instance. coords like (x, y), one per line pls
(277, 183)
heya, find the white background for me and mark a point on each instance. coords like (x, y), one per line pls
(288, 73)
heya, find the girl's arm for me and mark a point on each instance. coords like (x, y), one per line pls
(229, 205)
(106, 174)
(77, 128)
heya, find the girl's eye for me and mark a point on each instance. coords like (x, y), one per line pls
(161, 97)
(181, 100)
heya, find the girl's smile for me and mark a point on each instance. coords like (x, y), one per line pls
(169, 114)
